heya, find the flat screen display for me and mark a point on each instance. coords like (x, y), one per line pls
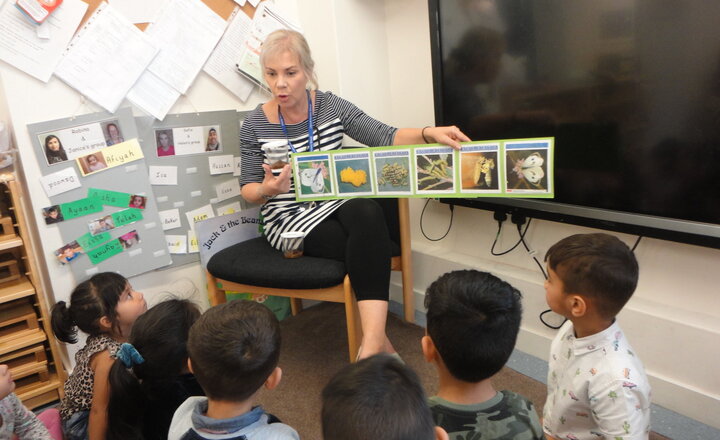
(630, 89)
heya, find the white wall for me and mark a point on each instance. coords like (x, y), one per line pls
(377, 54)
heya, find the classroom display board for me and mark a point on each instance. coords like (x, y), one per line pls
(500, 168)
(193, 163)
(94, 173)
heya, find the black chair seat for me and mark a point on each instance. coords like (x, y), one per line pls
(247, 263)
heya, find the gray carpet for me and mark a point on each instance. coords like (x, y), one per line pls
(315, 348)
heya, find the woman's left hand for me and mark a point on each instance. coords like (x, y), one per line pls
(450, 135)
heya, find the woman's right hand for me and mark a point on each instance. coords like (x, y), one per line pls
(273, 185)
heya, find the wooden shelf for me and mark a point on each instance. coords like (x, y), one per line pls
(16, 289)
(35, 353)
(21, 339)
(9, 242)
(40, 393)
(26, 342)
(16, 316)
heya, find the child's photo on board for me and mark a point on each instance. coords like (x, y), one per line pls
(53, 214)
(101, 225)
(69, 252)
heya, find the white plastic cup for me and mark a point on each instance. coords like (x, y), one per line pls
(277, 153)
(291, 244)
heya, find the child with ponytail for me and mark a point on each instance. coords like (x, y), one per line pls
(151, 378)
(105, 307)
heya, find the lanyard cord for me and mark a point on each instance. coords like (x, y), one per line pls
(310, 125)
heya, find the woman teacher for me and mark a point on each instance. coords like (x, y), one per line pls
(353, 231)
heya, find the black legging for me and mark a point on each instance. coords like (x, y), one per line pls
(357, 234)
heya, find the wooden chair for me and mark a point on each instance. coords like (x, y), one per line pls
(255, 267)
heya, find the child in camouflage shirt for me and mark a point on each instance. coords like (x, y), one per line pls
(473, 320)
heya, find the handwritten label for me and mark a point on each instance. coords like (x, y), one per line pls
(177, 244)
(170, 219)
(200, 214)
(227, 189)
(221, 164)
(110, 198)
(122, 153)
(81, 207)
(105, 251)
(236, 166)
(230, 208)
(89, 241)
(110, 157)
(60, 182)
(127, 216)
(192, 242)
(166, 175)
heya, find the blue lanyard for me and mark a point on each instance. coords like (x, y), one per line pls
(310, 125)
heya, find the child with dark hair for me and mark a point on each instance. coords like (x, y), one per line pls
(597, 387)
(234, 350)
(151, 379)
(54, 150)
(377, 398)
(105, 307)
(473, 319)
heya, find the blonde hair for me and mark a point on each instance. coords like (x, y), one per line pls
(294, 42)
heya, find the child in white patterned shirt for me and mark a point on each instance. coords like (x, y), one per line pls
(597, 386)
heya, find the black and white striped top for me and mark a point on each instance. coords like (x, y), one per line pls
(334, 117)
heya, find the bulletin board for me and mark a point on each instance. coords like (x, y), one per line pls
(123, 173)
(192, 181)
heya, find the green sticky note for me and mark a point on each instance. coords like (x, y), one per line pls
(81, 207)
(110, 198)
(88, 241)
(105, 251)
(127, 216)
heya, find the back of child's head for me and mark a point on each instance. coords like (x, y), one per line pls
(91, 300)
(376, 398)
(473, 319)
(160, 338)
(233, 348)
(598, 266)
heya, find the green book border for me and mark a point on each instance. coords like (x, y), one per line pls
(429, 171)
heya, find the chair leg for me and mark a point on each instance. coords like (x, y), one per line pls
(352, 315)
(216, 295)
(408, 294)
(406, 258)
(296, 306)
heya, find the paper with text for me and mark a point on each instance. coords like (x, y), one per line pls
(192, 243)
(106, 57)
(139, 11)
(227, 189)
(230, 208)
(221, 164)
(186, 31)
(60, 182)
(222, 64)
(22, 46)
(177, 244)
(200, 214)
(170, 219)
(163, 175)
(267, 19)
(153, 95)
